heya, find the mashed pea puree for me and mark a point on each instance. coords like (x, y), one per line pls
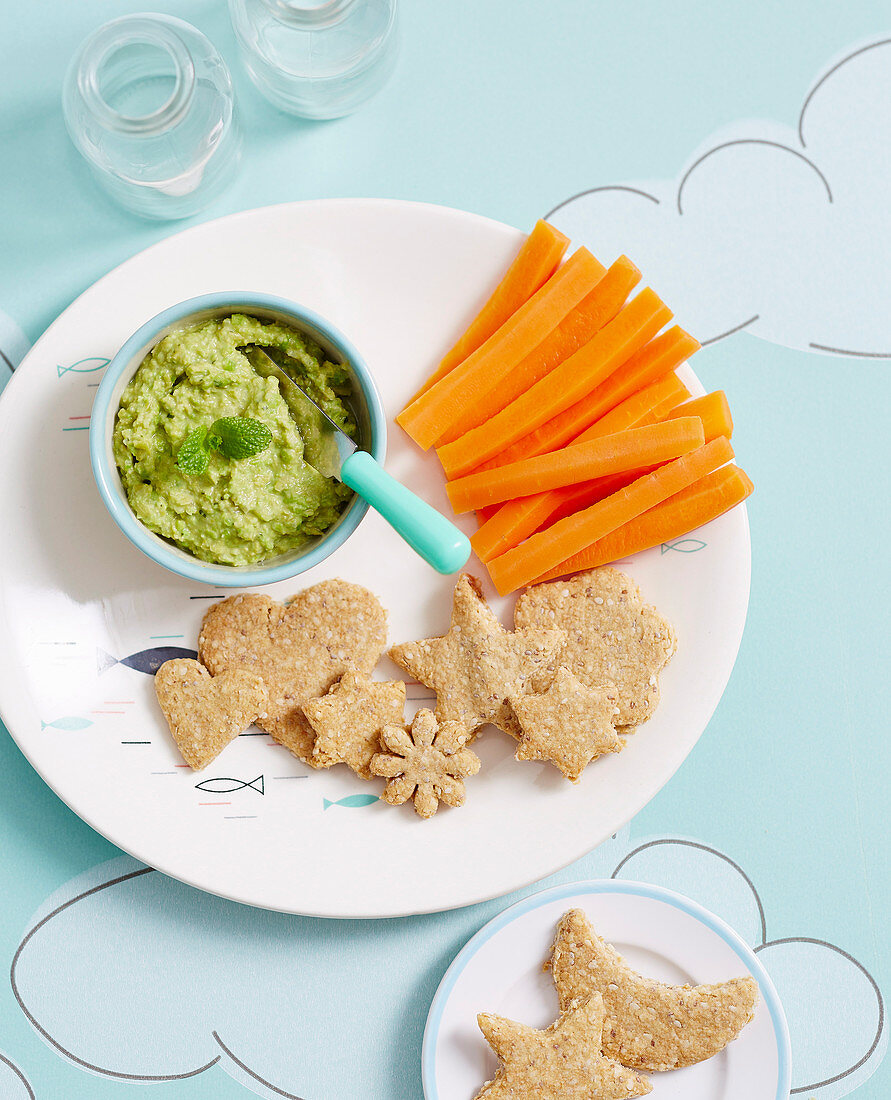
(237, 512)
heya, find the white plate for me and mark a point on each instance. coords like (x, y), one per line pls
(660, 933)
(401, 280)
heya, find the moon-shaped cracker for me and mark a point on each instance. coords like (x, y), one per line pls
(648, 1025)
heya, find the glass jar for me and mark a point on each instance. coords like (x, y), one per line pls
(317, 58)
(148, 102)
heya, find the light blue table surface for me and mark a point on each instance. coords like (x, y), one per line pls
(508, 109)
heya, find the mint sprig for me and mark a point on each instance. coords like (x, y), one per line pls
(234, 437)
(192, 455)
(240, 436)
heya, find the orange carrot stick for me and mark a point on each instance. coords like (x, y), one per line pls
(706, 499)
(610, 454)
(576, 329)
(628, 331)
(574, 498)
(547, 549)
(661, 410)
(714, 410)
(635, 410)
(434, 412)
(537, 260)
(660, 356)
(518, 519)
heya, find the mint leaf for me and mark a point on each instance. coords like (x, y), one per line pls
(240, 436)
(192, 455)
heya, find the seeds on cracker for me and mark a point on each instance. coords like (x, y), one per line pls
(649, 1025)
(569, 724)
(298, 649)
(612, 636)
(348, 720)
(206, 712)
(563, 1062)
(478, 664)
(427, 762)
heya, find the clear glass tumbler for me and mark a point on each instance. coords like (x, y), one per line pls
(317, 58)
(148, 102)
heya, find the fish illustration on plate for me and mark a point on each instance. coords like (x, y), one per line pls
(352, 801)
(221, 785)
(69, 722)
(84, 366)
(684, 546)
(146, 660)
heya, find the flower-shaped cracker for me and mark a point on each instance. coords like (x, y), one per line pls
(427, 763)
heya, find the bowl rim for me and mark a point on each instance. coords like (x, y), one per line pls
(107, 477)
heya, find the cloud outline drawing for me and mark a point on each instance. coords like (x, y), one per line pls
(763, 946)
(7, 1064)
(38, 1027)
(757, 233)
(216, 924)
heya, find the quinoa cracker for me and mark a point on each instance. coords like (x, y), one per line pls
(299, 649)
(427, 763)
(478, 664)
(206, 712)
(569, 724)
(649, 1025)
(612, 636)
(348, 720)
(563, 1062)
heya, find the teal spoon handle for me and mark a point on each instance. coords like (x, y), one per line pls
(426, 531)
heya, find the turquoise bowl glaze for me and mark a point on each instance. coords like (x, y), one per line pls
(366, 403)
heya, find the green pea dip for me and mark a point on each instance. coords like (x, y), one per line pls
(238, 512)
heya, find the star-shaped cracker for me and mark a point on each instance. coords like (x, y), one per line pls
(649, 1025)
(427, 763)
(569, 724)
(476, 666)
(348, 720)
(298, 649)
(612, 636)
(206, 712)
(563, 1062)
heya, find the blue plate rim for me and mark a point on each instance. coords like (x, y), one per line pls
(608, 886)
(193, 568)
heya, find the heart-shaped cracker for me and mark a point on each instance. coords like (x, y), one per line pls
(206, 712)
(298, 649)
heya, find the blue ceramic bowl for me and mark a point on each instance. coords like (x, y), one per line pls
(366, 405)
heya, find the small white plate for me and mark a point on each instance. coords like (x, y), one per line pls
(661, 934)
(82, 611)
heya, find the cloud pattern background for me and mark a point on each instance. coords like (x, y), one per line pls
(778, 230)
(13, 347)
(14, 1085)
(174, 982)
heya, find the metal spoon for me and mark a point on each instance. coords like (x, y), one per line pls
(331, 451)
